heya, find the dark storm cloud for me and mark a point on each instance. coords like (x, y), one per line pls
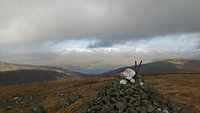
(28, 21)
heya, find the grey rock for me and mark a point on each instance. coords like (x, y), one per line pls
(66, 102)
(145, 102)
(171, 105)
(124, 100)
(121, 106)
(144, 96)
(105, 99)
(165, 100)
(138, 108)
(105, 109)
(2, 109)
(96, 108)
(150, 108)
(130, 98)
(113, 100)
(129, 91)
(143, 109)
(132, 110)
(37, 109)
(116, 95)
(122, 93)
(137, 103)
(129, 104)
(156, 104)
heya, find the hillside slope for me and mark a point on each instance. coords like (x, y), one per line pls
(12, 67)
(167, 66)
(11, 74)
(4, 67)
(30, 76)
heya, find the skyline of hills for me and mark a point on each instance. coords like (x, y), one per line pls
(11, 74)
(162, 67)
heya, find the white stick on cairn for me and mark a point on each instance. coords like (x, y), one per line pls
(127, 75)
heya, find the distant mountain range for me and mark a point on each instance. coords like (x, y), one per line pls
(159, 67)
(11, 74)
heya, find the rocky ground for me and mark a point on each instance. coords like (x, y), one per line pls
(69, 96)
(137, 97)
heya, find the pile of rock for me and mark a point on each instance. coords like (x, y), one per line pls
(130, 97)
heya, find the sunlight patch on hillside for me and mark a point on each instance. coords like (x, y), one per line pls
(177, 62)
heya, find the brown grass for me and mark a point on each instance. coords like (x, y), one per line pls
(181, 88)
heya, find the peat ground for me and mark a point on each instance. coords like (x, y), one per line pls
(68, 96)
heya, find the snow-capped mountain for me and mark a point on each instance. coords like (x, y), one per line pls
(93, 50)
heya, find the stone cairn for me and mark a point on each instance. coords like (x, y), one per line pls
(130, 94)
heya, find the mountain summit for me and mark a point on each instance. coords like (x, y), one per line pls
(132, 97)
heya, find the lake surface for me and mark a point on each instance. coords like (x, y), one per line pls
(92, 71)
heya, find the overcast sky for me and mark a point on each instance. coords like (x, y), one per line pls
(41, 31)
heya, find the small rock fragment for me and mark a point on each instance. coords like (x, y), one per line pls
(129, 91)
(121, 106)
(150, 108)
(66, 102)
(37, 109)
(122, 81)
(165, 111)
(132, 80)
(15, 98)
(141, 83)
(61, 95)
(159, 109)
